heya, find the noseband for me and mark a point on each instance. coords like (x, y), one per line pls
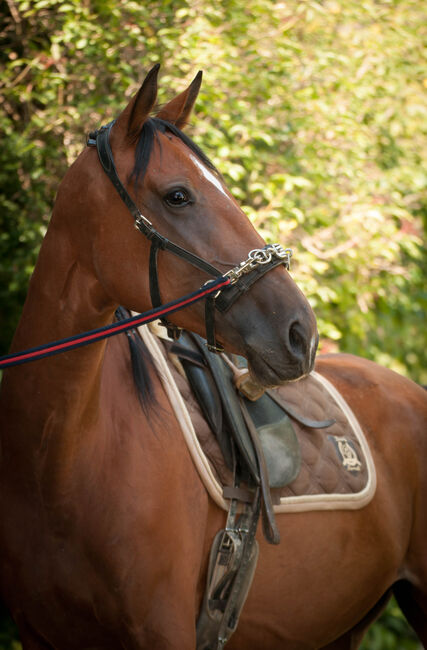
(242, 276)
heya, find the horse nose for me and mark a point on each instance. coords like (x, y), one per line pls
(302, 345)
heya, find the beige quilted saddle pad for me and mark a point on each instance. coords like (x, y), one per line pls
(337, 470)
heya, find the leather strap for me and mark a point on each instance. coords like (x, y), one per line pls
(238, 493)
(269, 526)
(211, 341)
(232, 411)
(154, 277)
(156, 300)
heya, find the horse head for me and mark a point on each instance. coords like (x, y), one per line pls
(180, 192)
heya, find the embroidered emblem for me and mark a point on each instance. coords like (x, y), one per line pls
(347, 453)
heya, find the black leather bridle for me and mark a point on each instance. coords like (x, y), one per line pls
(242, 276)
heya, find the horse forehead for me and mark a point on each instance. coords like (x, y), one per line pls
(208, 174)
(187, 161)
(170, 152)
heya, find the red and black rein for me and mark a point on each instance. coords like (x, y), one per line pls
(79, 340)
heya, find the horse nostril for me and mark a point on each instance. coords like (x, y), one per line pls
(297, 342)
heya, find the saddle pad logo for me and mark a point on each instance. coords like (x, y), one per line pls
(347, 453)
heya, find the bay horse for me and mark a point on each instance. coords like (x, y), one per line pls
(105, 525)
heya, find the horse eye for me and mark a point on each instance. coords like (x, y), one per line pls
(177, 198)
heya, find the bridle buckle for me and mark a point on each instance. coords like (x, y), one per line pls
(259, 257)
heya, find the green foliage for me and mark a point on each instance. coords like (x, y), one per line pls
(391, 632)
(8, 632)
(314, 112)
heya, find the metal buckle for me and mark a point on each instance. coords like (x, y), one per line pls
(142, 223)
(259, 257)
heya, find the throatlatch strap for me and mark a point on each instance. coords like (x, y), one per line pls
(154, 278)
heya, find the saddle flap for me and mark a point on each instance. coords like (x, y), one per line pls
(278, 440)
(281, 452)
(217, 377)
(204, 389)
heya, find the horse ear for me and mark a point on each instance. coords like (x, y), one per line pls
(140, 106)
(178, 110)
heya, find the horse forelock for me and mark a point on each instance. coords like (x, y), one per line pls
(149, 134)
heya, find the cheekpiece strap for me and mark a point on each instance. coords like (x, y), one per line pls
(156, 300)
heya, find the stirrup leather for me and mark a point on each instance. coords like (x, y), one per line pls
(232, 563)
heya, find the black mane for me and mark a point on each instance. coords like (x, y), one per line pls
(142, 364)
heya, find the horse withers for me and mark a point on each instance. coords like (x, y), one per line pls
(105, 525)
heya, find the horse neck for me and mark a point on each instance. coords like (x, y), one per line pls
(52, 397)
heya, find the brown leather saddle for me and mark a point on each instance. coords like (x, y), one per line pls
(237, 409)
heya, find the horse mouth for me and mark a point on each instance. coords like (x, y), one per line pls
(269, 375)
